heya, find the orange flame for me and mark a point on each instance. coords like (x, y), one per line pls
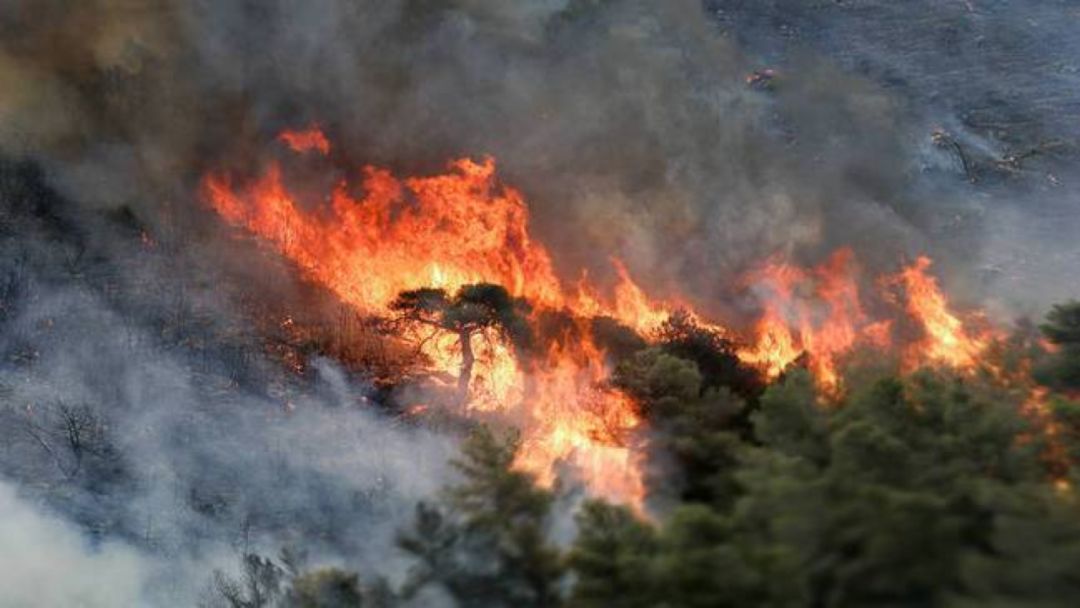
(306, 140)
(463, 227)
(946, 340)
(817, 316)
(448, 231)
(817, 313)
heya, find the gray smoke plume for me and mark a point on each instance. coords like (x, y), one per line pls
(691, 139)
(630, 125)
(35, 548)
(144, 410)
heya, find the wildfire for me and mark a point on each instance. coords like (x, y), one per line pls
(463, 227)
(946, 341)
(629, 304)
(816, 314)
(447, 231)
(307, 140)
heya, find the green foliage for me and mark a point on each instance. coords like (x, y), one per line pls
(426, 303)
(485, 305)
(331, 588)
(617, 340)
(901, 496)
(1061, 371)
(472, 309)
(661, 383)
(1063, 324)
(695, 560)
(698, 426)
(489, 545)
(791, 421)
(613, 559)
(266, 583)
(1062, 328)
(931, 490)
(1065, 417)
(712, 353)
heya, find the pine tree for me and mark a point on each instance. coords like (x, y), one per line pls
(488, 546)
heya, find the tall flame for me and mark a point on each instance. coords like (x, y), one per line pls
(448, 231)
(946, 340)
(817, 315)
(463, 227)
(814, 313)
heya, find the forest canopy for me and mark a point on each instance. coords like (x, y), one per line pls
(930, 489)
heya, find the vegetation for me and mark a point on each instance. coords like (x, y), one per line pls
(284, 583)
(932, 489)
(471, 311)
(1062, 329)
(487, 544)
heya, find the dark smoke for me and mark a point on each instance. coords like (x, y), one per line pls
(631, 127)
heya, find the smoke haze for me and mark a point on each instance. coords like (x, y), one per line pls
(630, 126)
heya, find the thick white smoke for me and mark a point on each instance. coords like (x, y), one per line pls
(46, 562)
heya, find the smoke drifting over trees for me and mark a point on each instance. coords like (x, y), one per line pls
(674, 164)
(163, 418)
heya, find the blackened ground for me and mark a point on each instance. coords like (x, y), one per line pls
(999, 82)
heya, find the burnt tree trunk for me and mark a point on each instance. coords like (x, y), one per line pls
(467, 360)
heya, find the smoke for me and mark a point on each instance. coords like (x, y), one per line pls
(144, 411)
(630, 126)
(996, 198)
(47, 562)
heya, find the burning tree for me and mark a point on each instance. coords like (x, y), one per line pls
(452, 257)
(473, 311)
